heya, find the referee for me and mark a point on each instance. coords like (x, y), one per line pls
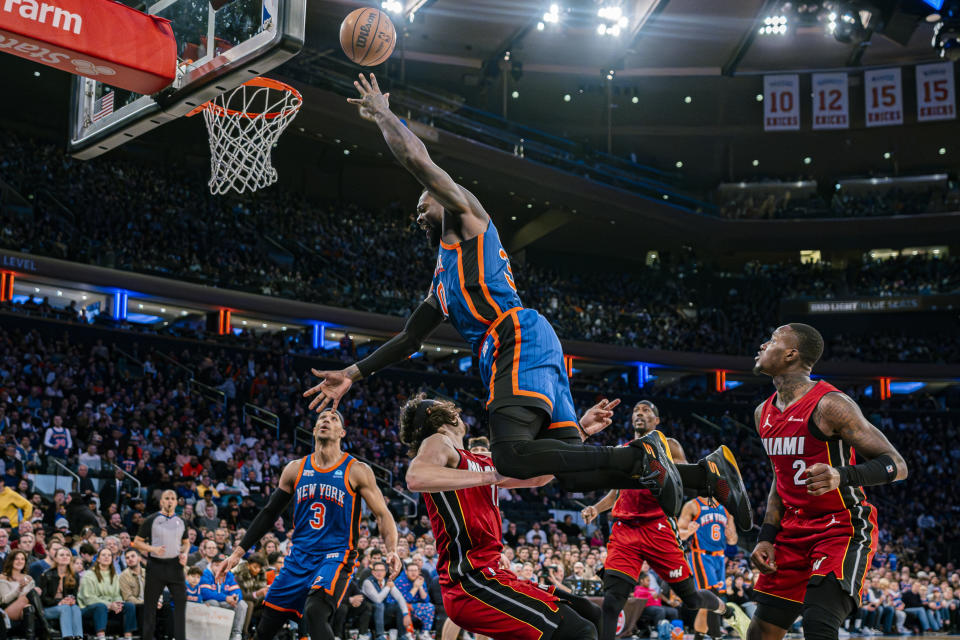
(163, 540)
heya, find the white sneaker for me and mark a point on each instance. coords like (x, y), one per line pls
(843, 633)
(236, 636)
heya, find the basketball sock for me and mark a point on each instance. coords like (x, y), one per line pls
(713, 625)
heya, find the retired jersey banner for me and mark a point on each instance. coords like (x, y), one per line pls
(831, 101)
(883, 95)
(935, 93)
(781, 103)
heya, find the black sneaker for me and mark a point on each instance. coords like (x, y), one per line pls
(657, 472)
(726, 485)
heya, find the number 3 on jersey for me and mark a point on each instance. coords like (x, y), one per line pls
(318, 509)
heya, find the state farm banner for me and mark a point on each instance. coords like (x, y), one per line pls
(935, 93)
(781, 103)
(99, 39)
(883, 96)
(831, 101)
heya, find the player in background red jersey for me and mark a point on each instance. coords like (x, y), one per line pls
(642, 532)
(461, 493)
(819, 534)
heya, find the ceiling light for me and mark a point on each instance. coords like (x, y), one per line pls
(942, 151)
(601, 29)
(184, 312)
(36, 74)
(83, 297)
(515, 94)
(759, 97)
(665, 197)
(755, 163)
(540, 26)
(513, 217)
(283, 328)
(264, 325)
(635, 99)
(807, 160)
(346, 152)
(393, 6)
(567, 98)
(679, 164)
(688, 99)
(59, 293)
(139, 306)
(886, 155)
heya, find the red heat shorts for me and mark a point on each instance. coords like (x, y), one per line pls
(841, 543)
(655, 541)
(498, 604)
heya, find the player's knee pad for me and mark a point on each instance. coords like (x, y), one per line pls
(616, 591)
(319, 606)
(825, 607)
(573, 626)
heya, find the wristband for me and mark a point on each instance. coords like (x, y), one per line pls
(768, 532)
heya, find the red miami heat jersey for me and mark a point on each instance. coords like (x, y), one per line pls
(466, 524)
(636, 504)
(793, 443)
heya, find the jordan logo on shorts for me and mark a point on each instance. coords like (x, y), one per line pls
(816, 565)
(833, 520)
(660, 526)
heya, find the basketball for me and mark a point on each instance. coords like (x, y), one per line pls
(367, 36)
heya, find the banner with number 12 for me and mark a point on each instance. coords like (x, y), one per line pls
(831, 104)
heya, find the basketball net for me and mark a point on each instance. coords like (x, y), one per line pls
(244, 124)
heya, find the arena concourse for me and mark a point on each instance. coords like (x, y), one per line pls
(155, 336)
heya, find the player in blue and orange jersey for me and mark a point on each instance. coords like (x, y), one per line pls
(709, 529)
(533, 426)
(326, 488)
(819, 533)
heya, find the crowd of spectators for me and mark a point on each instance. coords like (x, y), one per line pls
(76, 401)
(760, 203)
(163, 221)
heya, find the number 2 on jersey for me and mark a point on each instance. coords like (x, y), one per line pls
(801, 468)
(319, 511)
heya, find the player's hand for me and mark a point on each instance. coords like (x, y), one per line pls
(371, 102)
(395, 564)
(822, 478)
(589, 514)
(599, 416)
(332, 387)
(764, 558)
(232, 560)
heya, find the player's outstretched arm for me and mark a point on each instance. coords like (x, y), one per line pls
(837, 415)
(335, 384)
(365, 483)
(263, 522)
(687, 522)
(410, 151)
(435, 469)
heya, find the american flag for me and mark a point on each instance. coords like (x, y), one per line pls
(103, 107)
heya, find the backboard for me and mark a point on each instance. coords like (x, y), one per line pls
(216, 51)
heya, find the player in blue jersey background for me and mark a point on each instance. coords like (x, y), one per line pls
(708, 528)
(325, 488)
(534, 430)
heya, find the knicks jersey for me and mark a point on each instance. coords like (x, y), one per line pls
(58, 437)
(794, 443)
(710, 537)
(466, 524)
(326, 512)
(473, 283)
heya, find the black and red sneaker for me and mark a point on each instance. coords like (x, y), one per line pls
(656, 471)
(726, 485)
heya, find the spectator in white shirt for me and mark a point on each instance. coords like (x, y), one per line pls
(536, 535)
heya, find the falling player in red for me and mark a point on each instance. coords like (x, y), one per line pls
(643, 532)
(819, 534)
(461, 492)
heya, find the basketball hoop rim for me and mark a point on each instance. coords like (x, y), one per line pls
(268, 83)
